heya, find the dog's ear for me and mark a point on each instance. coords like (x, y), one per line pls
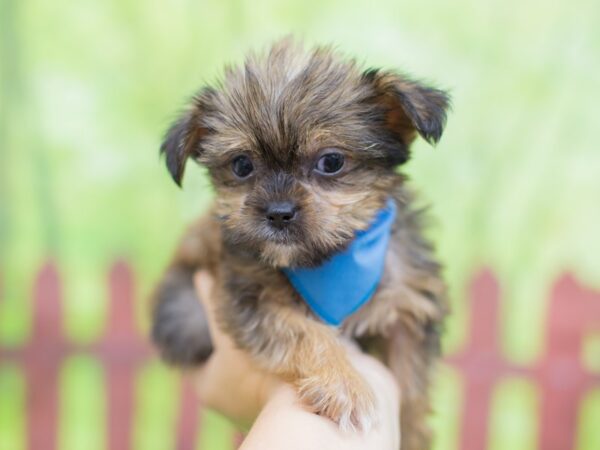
(184, 137)
(409, 107)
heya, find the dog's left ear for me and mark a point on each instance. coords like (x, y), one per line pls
(184, 137)
(409, 107)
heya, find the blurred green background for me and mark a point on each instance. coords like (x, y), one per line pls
(88, 87)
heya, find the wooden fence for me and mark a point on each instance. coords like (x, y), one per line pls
(561, 378)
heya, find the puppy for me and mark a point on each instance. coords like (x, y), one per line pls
(303, 148)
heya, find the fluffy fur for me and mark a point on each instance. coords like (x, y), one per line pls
(284, 109)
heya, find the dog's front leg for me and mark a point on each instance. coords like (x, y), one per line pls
(304, 352)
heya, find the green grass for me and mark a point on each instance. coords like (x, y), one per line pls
(88, 87)
(515, 411)
(12, 408)
(82, 405)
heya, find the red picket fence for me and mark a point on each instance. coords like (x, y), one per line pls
(573, 312)
(122, 351)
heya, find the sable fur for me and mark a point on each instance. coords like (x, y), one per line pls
(283, 109)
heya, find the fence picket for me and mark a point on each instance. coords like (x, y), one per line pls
(480, 362)
(121, 369)
(42, 360)
(188, 417)
(562, 378)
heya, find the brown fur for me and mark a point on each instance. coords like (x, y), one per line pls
(282, 110)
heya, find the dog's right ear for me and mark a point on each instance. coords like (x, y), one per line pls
(409, 108)
(183, 139)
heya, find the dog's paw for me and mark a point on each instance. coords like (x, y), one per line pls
(344, 398)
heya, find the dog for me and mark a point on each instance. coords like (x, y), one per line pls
(304, 149)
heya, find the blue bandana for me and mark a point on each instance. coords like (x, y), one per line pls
(347, 281)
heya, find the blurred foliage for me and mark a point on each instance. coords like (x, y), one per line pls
(87, 89)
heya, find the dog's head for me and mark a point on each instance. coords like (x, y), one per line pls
(302, 147)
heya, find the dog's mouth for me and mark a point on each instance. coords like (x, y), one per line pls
(285, 249)
(296, 245)
(286, 236)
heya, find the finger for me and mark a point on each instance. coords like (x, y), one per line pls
(205, 287)
(204, 283)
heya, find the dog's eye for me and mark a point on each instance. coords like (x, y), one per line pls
(330, 163)
(242, 166)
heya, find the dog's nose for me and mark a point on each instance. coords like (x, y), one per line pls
(281, 214)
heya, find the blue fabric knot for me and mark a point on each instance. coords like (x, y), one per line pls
(348, 280)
